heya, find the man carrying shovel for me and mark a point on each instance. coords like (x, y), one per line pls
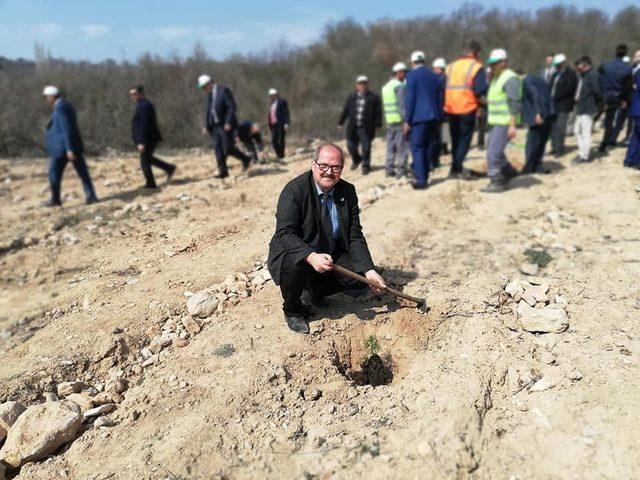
(317, 231)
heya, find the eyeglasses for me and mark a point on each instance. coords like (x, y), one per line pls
(325, 167)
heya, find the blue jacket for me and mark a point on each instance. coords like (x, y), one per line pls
(615, 79)
(225, 108)
(424, 96)
(635, 104)
(63, 134)
(144, 125)
(536, 99)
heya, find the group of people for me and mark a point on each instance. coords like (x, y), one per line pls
(64, 142)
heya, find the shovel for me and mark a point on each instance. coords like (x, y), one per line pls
(421, 302)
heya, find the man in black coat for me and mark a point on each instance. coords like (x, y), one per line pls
(589, 102)
(146, 136)
(537, 110)
(564, 83)
(249, 133)
(220, 123)
(278, 121)
(317, 225)
(363, 113)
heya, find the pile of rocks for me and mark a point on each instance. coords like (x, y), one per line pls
(537, 310)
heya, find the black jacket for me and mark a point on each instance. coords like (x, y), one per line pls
(144, 126)
(590, 96)
(282, 113)
(225, 108)
(564, 92)
(298, 225)
(371, 118)
(536, 99)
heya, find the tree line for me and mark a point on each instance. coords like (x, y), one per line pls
(315, 79)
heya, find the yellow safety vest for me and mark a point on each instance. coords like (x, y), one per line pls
(497, 100)
(390, 101)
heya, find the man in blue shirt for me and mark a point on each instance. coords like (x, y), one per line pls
(632, 159)
(64, 144)
(423, 110)
(617, 87)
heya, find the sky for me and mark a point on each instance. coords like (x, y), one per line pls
(125, 29)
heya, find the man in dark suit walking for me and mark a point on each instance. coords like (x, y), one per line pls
(64, 144)
(363, 114)
(278, 122)
(318, 224)
(220, 123)
(564, 83)
(146, 136)
(537, 110)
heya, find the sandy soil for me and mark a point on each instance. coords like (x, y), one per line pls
(83, 289)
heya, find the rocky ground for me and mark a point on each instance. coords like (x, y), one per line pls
(142, 338)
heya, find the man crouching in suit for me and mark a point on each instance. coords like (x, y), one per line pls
(317, 225)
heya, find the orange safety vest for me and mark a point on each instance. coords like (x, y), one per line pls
(459, 98)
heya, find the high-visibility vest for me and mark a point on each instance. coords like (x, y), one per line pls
(390, 101)
(497, 100)
(459, 98)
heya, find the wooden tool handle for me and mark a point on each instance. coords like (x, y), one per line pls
(360, 278)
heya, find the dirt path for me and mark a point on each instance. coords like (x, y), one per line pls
(473, 395)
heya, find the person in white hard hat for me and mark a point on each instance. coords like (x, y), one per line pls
(64, 144)
(441, 145)
(220, 124)
(362, 113)
(278, 122)
(393, 104)
(564, 84)
(424, 111)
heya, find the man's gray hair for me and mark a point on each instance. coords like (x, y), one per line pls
(316, 154)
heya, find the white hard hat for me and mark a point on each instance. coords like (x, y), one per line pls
(497, 55)
(273, 91)
(626, 59)
(559, 58)
(50, 91)
(203, 80)
(362, 79)
(439, 63)
(399, 67)
(417, 56)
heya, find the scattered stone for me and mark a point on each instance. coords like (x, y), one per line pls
(84, 401)
(105, 421)
(548, 358)
(312, 395)
(530, 269)
(180, 342)
(542, 320)
(101, 410)
(574, 375)
(541, 385)
(514, 288)
(67, 388)
(202, 304)
(40, 431)
(120, 386)
(104, 398)
(191, 325)
(9, 413)
(50, 397)
(117, 331)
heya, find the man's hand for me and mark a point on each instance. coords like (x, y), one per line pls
(321, 262)
(539, 120)
(286, 126)
(227, 127)
(71, 156)
(511, 132)
(406, 128)
(339, 127)
(141, 147)
(205, 131)
(378, 280)
(623, 104)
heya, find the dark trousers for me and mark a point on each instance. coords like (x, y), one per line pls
(422, 138)
(612, 123)
(147, 160)
(482, 127)
(559, 132)
(537, 137)
(436, 149)
(461, 129)
(278, 134)
(224, 145)
(632, 159)
(56, 170)
(359, 146)
(294, 278)
(251, 148)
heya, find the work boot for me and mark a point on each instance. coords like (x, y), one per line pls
(496, 185)
(418, 186)
(366, 169)
(297, 323)
(91, 200)
(221, 176)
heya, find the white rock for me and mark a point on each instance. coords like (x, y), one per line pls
(202, 304)
(514, 287)
(9, 413)
(542, 320)
(530, 269)
(40, 431)
(541, 385)
(67, 388)
(104, 422)
(191, 325)
(102, 409)
(85, 402)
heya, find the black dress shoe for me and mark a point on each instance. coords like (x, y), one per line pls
(92, 200)
(354, 165)
(495, 186)
(297, 323)
(418, 186)
(246, 165)
(221, 176)
(52, 203)
(366, 169)
(170, 173)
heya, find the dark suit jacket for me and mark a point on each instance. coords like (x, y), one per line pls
(616, 80)
(282, 113)
(298, 224)
(225, 108)
(590, 100)
(565, 91)
(144, 126)
(371, 118)
(424, 96)
(63, 134)
(536, 99)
